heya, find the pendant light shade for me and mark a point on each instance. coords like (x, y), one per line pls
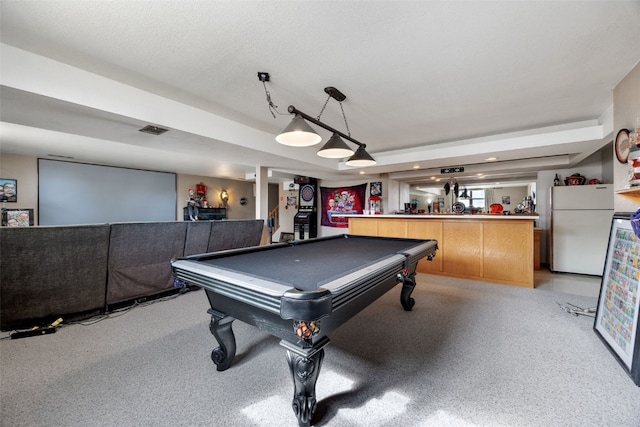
(361, 158)
(298, 134)
(335, 148)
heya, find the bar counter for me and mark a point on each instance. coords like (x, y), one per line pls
(492, 248)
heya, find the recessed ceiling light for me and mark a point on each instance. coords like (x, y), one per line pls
(361, 172)
(491, 159)
(433, 177)
(416, 166)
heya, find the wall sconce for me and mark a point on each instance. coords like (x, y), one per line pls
(299, 134)
(224, 196)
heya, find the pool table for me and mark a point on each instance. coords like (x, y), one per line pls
(300, 292)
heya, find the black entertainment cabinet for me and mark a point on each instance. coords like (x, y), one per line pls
(205, 214)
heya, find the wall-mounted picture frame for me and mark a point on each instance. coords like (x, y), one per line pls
(616, 320)
(17, 217)
(375, 189)
(8, 190)
(506, 200)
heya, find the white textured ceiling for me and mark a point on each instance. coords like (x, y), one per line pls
(428, 83)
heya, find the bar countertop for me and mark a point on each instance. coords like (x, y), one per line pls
(443, 216)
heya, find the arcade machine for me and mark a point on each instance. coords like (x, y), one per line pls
(305, 222)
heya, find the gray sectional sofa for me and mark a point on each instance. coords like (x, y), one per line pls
(78, 271)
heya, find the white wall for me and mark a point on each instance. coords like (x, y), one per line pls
(626, 110)
(286, 213)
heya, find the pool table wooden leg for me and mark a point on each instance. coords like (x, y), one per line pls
(305, 367)
(220, 327)
(408, 284)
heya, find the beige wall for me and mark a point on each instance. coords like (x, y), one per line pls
(626, 109)
(25, 170)
(236, 190)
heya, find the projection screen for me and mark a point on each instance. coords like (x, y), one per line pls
(79, 193)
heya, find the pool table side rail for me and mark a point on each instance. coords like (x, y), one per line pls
(248, 294)
(374, 278)
(265, 295)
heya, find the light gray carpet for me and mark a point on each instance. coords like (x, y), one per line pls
(469, 354)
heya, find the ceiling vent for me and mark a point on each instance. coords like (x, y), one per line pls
(154, 130)
(58, 156)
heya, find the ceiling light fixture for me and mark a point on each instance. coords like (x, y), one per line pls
(361, 158)
(300, 134)
(335, 148)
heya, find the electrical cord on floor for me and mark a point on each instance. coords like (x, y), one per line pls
(140, 302)
(578, 311)
(37, 330)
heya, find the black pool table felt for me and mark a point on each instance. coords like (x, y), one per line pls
(307, 266)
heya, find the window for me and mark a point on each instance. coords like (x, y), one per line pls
(476, 199)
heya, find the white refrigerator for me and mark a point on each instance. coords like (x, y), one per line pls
(580, 224)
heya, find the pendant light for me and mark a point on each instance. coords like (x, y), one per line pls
(298, 134)
(361, 158)
(335, 148)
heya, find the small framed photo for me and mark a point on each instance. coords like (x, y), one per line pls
(287, 237)
(8, 190)
(506, 200)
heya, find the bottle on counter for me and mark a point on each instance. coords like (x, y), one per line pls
(556, 181)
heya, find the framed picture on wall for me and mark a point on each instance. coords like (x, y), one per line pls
(616, 320)
(17, 217)
(375, 189)
(8, 190)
